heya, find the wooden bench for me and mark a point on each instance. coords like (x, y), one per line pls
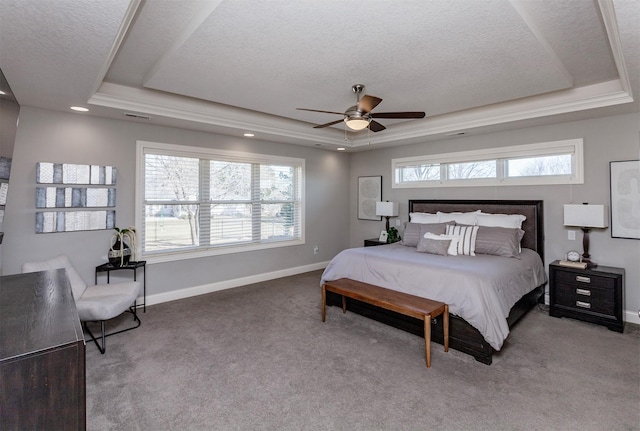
(403, 303)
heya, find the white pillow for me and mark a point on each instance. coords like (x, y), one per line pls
(423, 218)
(453, 245)
(513, 221)
(467, 238)
(462, 218)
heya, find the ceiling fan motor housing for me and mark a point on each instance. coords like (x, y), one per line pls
(354, 112)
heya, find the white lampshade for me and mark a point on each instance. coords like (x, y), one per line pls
(387, 209)
(586, 215)
(356, 123)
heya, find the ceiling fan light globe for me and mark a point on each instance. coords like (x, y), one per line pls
(356, 123)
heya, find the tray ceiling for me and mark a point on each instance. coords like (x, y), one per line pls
(234, 66)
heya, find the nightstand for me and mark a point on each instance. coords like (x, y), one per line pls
(594, 295)
(372, 242)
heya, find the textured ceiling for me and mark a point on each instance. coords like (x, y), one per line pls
(245, 65)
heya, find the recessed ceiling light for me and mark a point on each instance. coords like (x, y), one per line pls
(79, 109)
(341, 148)
(249, 135)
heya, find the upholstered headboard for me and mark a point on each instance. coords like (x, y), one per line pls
(533, 226)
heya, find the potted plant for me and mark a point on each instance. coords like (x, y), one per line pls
(393, 235)
(120, 253)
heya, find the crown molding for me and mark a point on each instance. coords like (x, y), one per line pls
(608, 13)
(198, 111)
(127, 20)
(560, 102)
(159, 104)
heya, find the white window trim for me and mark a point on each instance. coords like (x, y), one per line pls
(569, 146)
(174, 255)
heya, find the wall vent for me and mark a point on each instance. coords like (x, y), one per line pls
(140, 116)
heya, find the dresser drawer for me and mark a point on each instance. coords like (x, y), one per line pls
(584, 280)
(586, 298)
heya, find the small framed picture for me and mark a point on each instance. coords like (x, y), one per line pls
(383, 236)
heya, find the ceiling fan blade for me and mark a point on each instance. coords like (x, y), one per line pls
(367, 103)
(320, 126)
(399, 114)
(374, 126)
(317, 110)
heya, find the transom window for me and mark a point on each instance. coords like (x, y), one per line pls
(195, 201)
(559, 162)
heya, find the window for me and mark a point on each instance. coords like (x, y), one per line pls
(557, 162)
(193, 202)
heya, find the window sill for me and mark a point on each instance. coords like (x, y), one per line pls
(215, 251)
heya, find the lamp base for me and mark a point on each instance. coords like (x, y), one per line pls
(586, 258)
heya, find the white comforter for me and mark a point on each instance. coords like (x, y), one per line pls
(481, 289)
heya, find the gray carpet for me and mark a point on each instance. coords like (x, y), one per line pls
(259, 358)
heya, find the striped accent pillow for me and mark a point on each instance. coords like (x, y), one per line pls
(467, 235)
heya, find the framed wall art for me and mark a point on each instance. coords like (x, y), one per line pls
(625, 199)
(69, 209)
(369, 192)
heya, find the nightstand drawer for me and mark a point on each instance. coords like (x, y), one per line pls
(584, 280)
(586, 298)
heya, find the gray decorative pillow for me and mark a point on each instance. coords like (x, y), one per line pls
(414, 231)
(433, 246)
(434, 228)
(499, 241)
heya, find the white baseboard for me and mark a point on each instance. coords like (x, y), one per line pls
(188, 292)
(631, 317)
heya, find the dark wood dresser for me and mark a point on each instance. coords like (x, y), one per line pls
(42, 354)
(594, 295)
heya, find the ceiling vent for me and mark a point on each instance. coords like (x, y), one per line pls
(139, 116)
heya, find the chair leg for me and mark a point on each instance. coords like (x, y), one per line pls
(103, 348)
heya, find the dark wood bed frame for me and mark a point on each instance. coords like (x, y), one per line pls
(463, 336)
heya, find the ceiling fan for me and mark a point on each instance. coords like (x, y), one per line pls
(359, 116)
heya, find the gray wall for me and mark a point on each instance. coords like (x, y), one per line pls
(605, 139)
(74, 138)
(51, 136)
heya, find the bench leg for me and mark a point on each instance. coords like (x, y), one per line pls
(427, 339)
(344, 304)
(324, 302)
(445, 327)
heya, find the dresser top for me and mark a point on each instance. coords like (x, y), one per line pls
(37, 312)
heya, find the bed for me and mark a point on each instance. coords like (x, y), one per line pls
(486, 294)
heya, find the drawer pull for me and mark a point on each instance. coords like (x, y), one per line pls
(584, 292)
(583, 279)
(583, 304)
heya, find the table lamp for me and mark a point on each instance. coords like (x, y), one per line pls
(387, 209)
(585, 217)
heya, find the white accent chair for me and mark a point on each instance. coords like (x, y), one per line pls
(94, 303)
